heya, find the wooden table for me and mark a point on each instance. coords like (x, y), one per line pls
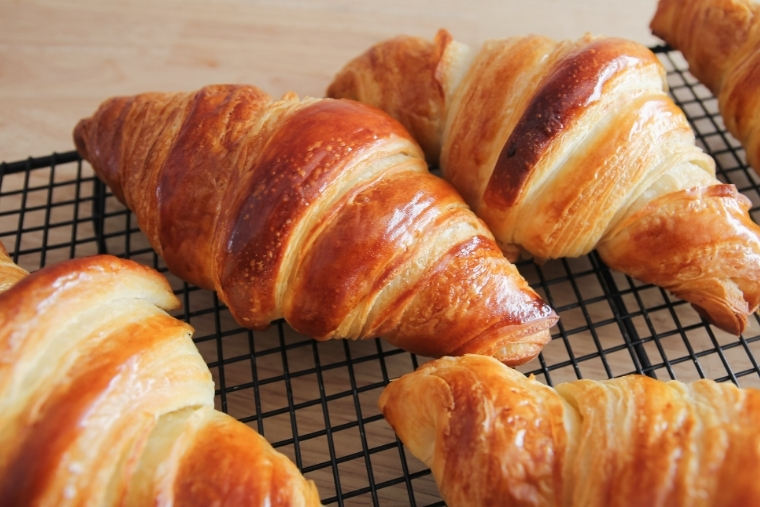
(60, 59)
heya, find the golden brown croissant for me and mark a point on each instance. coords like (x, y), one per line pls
(104, 400)
(566, 147)
(494, 437)
(319, 211)
(720, 40)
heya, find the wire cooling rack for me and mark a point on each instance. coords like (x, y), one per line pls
(317, 402)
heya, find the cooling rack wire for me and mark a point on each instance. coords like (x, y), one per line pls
(317, 402)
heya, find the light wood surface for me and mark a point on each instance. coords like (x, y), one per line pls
(60, 59)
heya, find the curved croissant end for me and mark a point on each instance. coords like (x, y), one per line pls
(720, 40)
(10, 273)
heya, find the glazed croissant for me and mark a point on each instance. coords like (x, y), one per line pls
(720, 40)
(319, 211)
(494, 437)
(104, 400)
(566, 147)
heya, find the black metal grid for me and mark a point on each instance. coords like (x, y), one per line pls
(317, 402)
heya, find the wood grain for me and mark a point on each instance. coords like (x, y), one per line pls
(60, 59)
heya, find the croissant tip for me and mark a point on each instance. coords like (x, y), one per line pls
(289, 96)
(443, 37)
(733, 322)
(80, 134)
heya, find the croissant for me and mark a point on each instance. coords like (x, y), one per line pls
(491, 436)
(720, 40)
(563, 147)
(319, 211)
(10, 273)
(104, 400)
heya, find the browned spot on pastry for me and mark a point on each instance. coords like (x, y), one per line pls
(559, 101)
